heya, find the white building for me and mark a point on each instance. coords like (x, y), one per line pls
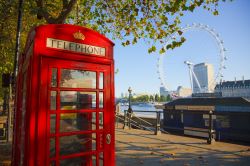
(135, 95)
(163, 91)
(205, 75)
(183, 92)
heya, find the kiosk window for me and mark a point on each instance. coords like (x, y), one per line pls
(77, 143)
(53, 100)
(100, 120)
(77, 121)
(52, 147)
(101, 100)
(52, 123)
(86, 160)
(78, 79)
(101, 159)
(74, 100)
(54, 78)
(101, 80)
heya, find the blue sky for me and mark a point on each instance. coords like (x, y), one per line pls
(138, 69)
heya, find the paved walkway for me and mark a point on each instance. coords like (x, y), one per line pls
(138, 147)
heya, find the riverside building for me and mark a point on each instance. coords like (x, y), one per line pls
(234, 88)
(190, 116)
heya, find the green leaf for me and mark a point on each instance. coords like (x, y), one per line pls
(152, 49)
(183, 39)
(169, 46)
(134, 40)
(216, 13)
(191, 8)
(127, 42)
(180, 32)
(162, 51)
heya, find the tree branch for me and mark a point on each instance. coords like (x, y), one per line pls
(65, 3)
(67, 8)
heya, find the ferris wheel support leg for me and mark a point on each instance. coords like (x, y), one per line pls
(191, 79)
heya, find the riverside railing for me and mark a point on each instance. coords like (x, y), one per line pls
(130, 120)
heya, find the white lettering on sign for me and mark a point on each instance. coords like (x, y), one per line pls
(75, 47)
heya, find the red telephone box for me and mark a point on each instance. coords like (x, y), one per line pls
(65, 99)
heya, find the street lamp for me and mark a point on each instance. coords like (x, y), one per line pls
(129, 100)
(130, 111)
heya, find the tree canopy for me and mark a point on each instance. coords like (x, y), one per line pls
(127, 20)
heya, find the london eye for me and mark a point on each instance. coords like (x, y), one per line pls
(163, 77)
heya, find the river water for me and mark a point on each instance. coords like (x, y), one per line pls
(142, 107)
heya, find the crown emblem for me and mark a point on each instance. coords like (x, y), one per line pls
(79, 36)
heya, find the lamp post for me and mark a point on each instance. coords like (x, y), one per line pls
(130, 111)
(129, 100)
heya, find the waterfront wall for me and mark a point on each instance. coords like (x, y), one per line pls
(227, 125)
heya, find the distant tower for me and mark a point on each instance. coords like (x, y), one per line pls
(163, 91)
(205, 75)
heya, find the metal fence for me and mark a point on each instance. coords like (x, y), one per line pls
(154, 124)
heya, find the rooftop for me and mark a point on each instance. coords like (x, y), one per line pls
(209, 101)
(233, 84)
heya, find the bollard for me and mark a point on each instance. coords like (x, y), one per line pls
(129, 120)
(117, 121)
(125, 125)
(129, 116)
(158, 123)
(210, 139)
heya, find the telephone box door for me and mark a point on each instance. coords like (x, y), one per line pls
(79, 121)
